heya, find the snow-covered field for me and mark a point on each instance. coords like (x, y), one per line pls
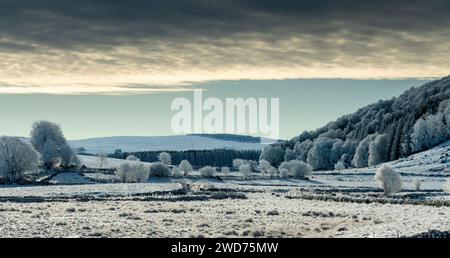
(330, 204)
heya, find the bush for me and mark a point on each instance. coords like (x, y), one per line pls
(246, 170)
(389, 180)
(158, 169)
(207, 171)
(284, 173)
(177, 172)
(132, 173)
(225, 170)
(16, 158)
(132, 158)
(299, 169)
(339, 166)
(264, 166)
(273, 172)
(237, 163)
(447, 187)
(417, 184)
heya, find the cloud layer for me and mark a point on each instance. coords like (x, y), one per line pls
(117, 47)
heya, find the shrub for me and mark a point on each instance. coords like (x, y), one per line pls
(207, 171)
(225, 170)
(132, 173)
(237, 163)
(132, 158)
(264, 166)
(339, 166)
(447, 187)
(158, 169)
(177, 172)
(417, 184)
(389, 180)
(273, 172)
(284, 173)
(299, 169)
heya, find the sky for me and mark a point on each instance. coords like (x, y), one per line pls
(78, 61)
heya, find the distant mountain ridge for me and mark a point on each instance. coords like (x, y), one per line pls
(166, 143)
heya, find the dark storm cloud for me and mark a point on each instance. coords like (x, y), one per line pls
(166, 42)
(72, 23)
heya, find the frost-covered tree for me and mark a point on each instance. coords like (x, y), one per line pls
(289, 155)
(132, 158)
(177, 172)
(390, 180)
(50, 154)
(273, 154)
(48, 139)
(132, 173)
(16, 158)
(361, 158)
(225, 170)
(320, 156)
(238, 163)
(68, 157)
(299, 169)
(207, 171)
(264, 166)
(301, 149)
(284, 173)
(158, 169)
(102, 159)
(186, 167)
(417, 184)
(339, 166)
(165, 158)
(378, 150)
(447, 187)
(429, 132)
(273, 172)
(246, 170)
(285, 165)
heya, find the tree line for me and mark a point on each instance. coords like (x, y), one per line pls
(198, 158)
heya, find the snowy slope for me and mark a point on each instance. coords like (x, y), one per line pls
(158, 143)
(93, 162)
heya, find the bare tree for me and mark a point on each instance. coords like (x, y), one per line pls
(102, 159)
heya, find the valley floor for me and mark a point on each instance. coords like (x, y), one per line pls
(276, 208)
(261, 215)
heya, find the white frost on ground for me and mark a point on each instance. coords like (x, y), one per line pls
(93, 162)
(266, 211)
